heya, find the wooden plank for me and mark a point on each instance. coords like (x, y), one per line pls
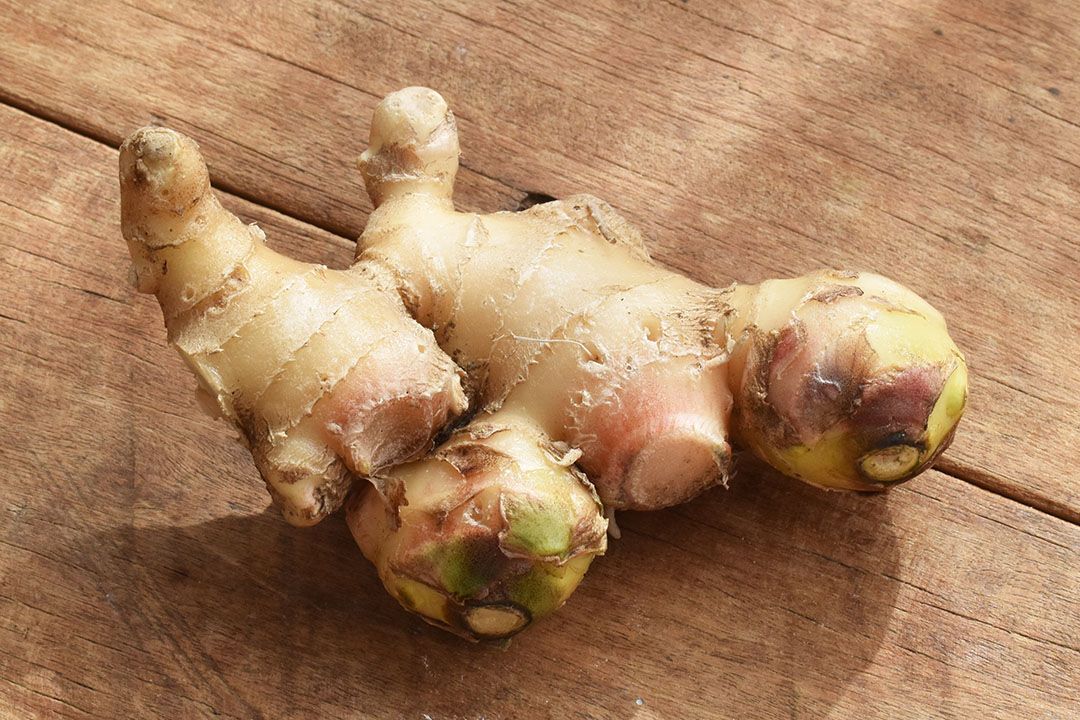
(141, 576)
(113, 67)
(935, 144)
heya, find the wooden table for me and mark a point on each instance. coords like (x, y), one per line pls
(141, 571)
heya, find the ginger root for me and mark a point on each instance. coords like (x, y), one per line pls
(572, 372)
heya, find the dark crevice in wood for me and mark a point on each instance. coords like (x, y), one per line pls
(41, 112)
(989, 483)
(534, 198)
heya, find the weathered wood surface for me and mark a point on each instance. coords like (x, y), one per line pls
(935, 142)
(140, 574)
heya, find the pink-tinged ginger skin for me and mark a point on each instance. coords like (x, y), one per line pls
(844, 380)
(557, 313)
(840, 379)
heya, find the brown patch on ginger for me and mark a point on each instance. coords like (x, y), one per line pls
(833, 388)
(832, 293)
(895, 407)
(753, 409)
(471, 459)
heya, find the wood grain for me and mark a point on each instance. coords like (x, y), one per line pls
(141, 573)
(143, 577)
(935, 143)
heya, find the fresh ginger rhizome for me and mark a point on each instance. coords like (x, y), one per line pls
(580, 375)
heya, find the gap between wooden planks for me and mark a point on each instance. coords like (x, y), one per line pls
(920, 141)
(140, 577)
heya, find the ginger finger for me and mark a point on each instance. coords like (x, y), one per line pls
(284, 350)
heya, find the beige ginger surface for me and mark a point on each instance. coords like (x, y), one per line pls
(131, 574)
(613, 370)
